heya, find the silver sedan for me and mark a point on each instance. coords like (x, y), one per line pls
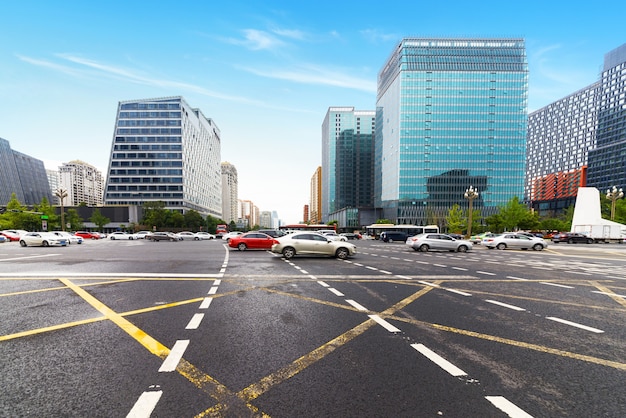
(426, 242)
(512, 240)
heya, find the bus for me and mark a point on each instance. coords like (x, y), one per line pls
(307, 227)
(220, 230)
(375, 230)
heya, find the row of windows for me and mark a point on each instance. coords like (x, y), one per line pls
(143, 196)
(147, 163)
(151, 139)
(148, 155)
(145, 188)
(149, 131)
(152, 180)
(148, 147)
(144, 115)
(141, 172)
(150, 106)
(149, 122)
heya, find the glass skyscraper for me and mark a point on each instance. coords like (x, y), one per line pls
(23, 175)
(450, 113)
(165, 150)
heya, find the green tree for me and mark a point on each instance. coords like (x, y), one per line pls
(513, 214)
(73, 218)
(175, 219)
(193, 220)
(99, 219)
(154, 214)
(455, 220)
(383, 221)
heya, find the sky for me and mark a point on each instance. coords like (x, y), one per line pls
(265, 72)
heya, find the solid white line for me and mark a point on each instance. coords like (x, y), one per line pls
(356, 305)
(194, 323)
(205, 303)
(507, 407)
(438, 360)
(384, 323)
(458, 292)
(608, 294)
(428, 284)
(557, 285)
(29, 256)
(335, 291)
(323, 283)
(574, 324)
(505, 305)
(212, 290)
(145, 404)
(403, 277)
(485, 272)
(171, 362)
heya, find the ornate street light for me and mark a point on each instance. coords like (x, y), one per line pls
(61, 193)
(614, 194)
(470, 195)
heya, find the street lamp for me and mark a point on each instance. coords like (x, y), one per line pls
(61, 193)
(614, 194)
(470, 195)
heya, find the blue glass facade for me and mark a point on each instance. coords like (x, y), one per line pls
(450, 113)
(164, 150)
(23, 175)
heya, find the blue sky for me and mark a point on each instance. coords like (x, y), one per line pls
(265, 72)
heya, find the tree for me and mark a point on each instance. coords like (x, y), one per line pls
(513, 214)
(383, 221)
(73, 218)
(193, 220)
(455, 220)
(99, 219)
(154, 214)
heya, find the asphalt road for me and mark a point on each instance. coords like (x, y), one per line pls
(182, 329)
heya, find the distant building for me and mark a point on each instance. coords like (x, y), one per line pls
(315, 203)
(265, 219)
(305, 214)
(248, 214)
(450, 113)
(23, 175)
(165, 150)
(230, 186)
(83, 182)
(54, 182)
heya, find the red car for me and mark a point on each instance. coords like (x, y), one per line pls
(252, 240)
(87, 235)
(10, 235)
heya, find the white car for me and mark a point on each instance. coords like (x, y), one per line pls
(71, 238)
(312, 243)
(187, 235)
(513, 240)
(333, 235)
(42, 239)
(122, 235)
(142, 234)
(204, 235)
(227, 237)
(443, 242)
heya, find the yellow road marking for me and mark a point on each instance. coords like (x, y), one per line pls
(610, 293)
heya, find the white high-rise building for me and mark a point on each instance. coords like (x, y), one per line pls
(165, 151)
(83, 183)
(230, 186)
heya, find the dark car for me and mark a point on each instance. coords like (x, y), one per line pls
(274, 233)
(391, 236)
(162, 236)
(572, 238)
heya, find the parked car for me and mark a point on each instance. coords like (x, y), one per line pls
(229, 235)
(351, 235)
(71, 238)
(312, 243)
(11, 236)
(426, 242)
(274, 233)
(162, 236)
(122, 235)
(204, 235)
(253, 241)
(333, 235)
(3, 239)
(513, 240)
(572, 238)
(391, 236)
(188, 235)
(142, 234)
(456, 236)
(42, 239)
(478, 238)
(87, 235)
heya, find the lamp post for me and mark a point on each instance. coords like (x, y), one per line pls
(470, 195)
(61, 193)
(614, 194)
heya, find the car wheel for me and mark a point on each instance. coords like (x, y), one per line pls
(570, 241)
(23, 243)
(462, 248)
(423, 248)
(501, 246)
(112, 238)
(242, 247)
(590, 241)
(196, 239)
(173, 239)
(537, 247)
(342, 253)
(289, 252)
(45, 244)
(131, 238)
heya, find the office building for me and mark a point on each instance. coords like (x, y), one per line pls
(23, 175)
(55, 183)
(347, 164)
(83, 183)
(230, 187)
(165, 151)
(450, 114)
(315, 202)
(607, 160)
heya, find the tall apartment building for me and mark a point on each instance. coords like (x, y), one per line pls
(450, 113)
(347, 164)
(607, 160)
(83, 182)
(248, 214)
(23, 175)
(165, 150)
(315, 203)
(54, 182)
(230, 187)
